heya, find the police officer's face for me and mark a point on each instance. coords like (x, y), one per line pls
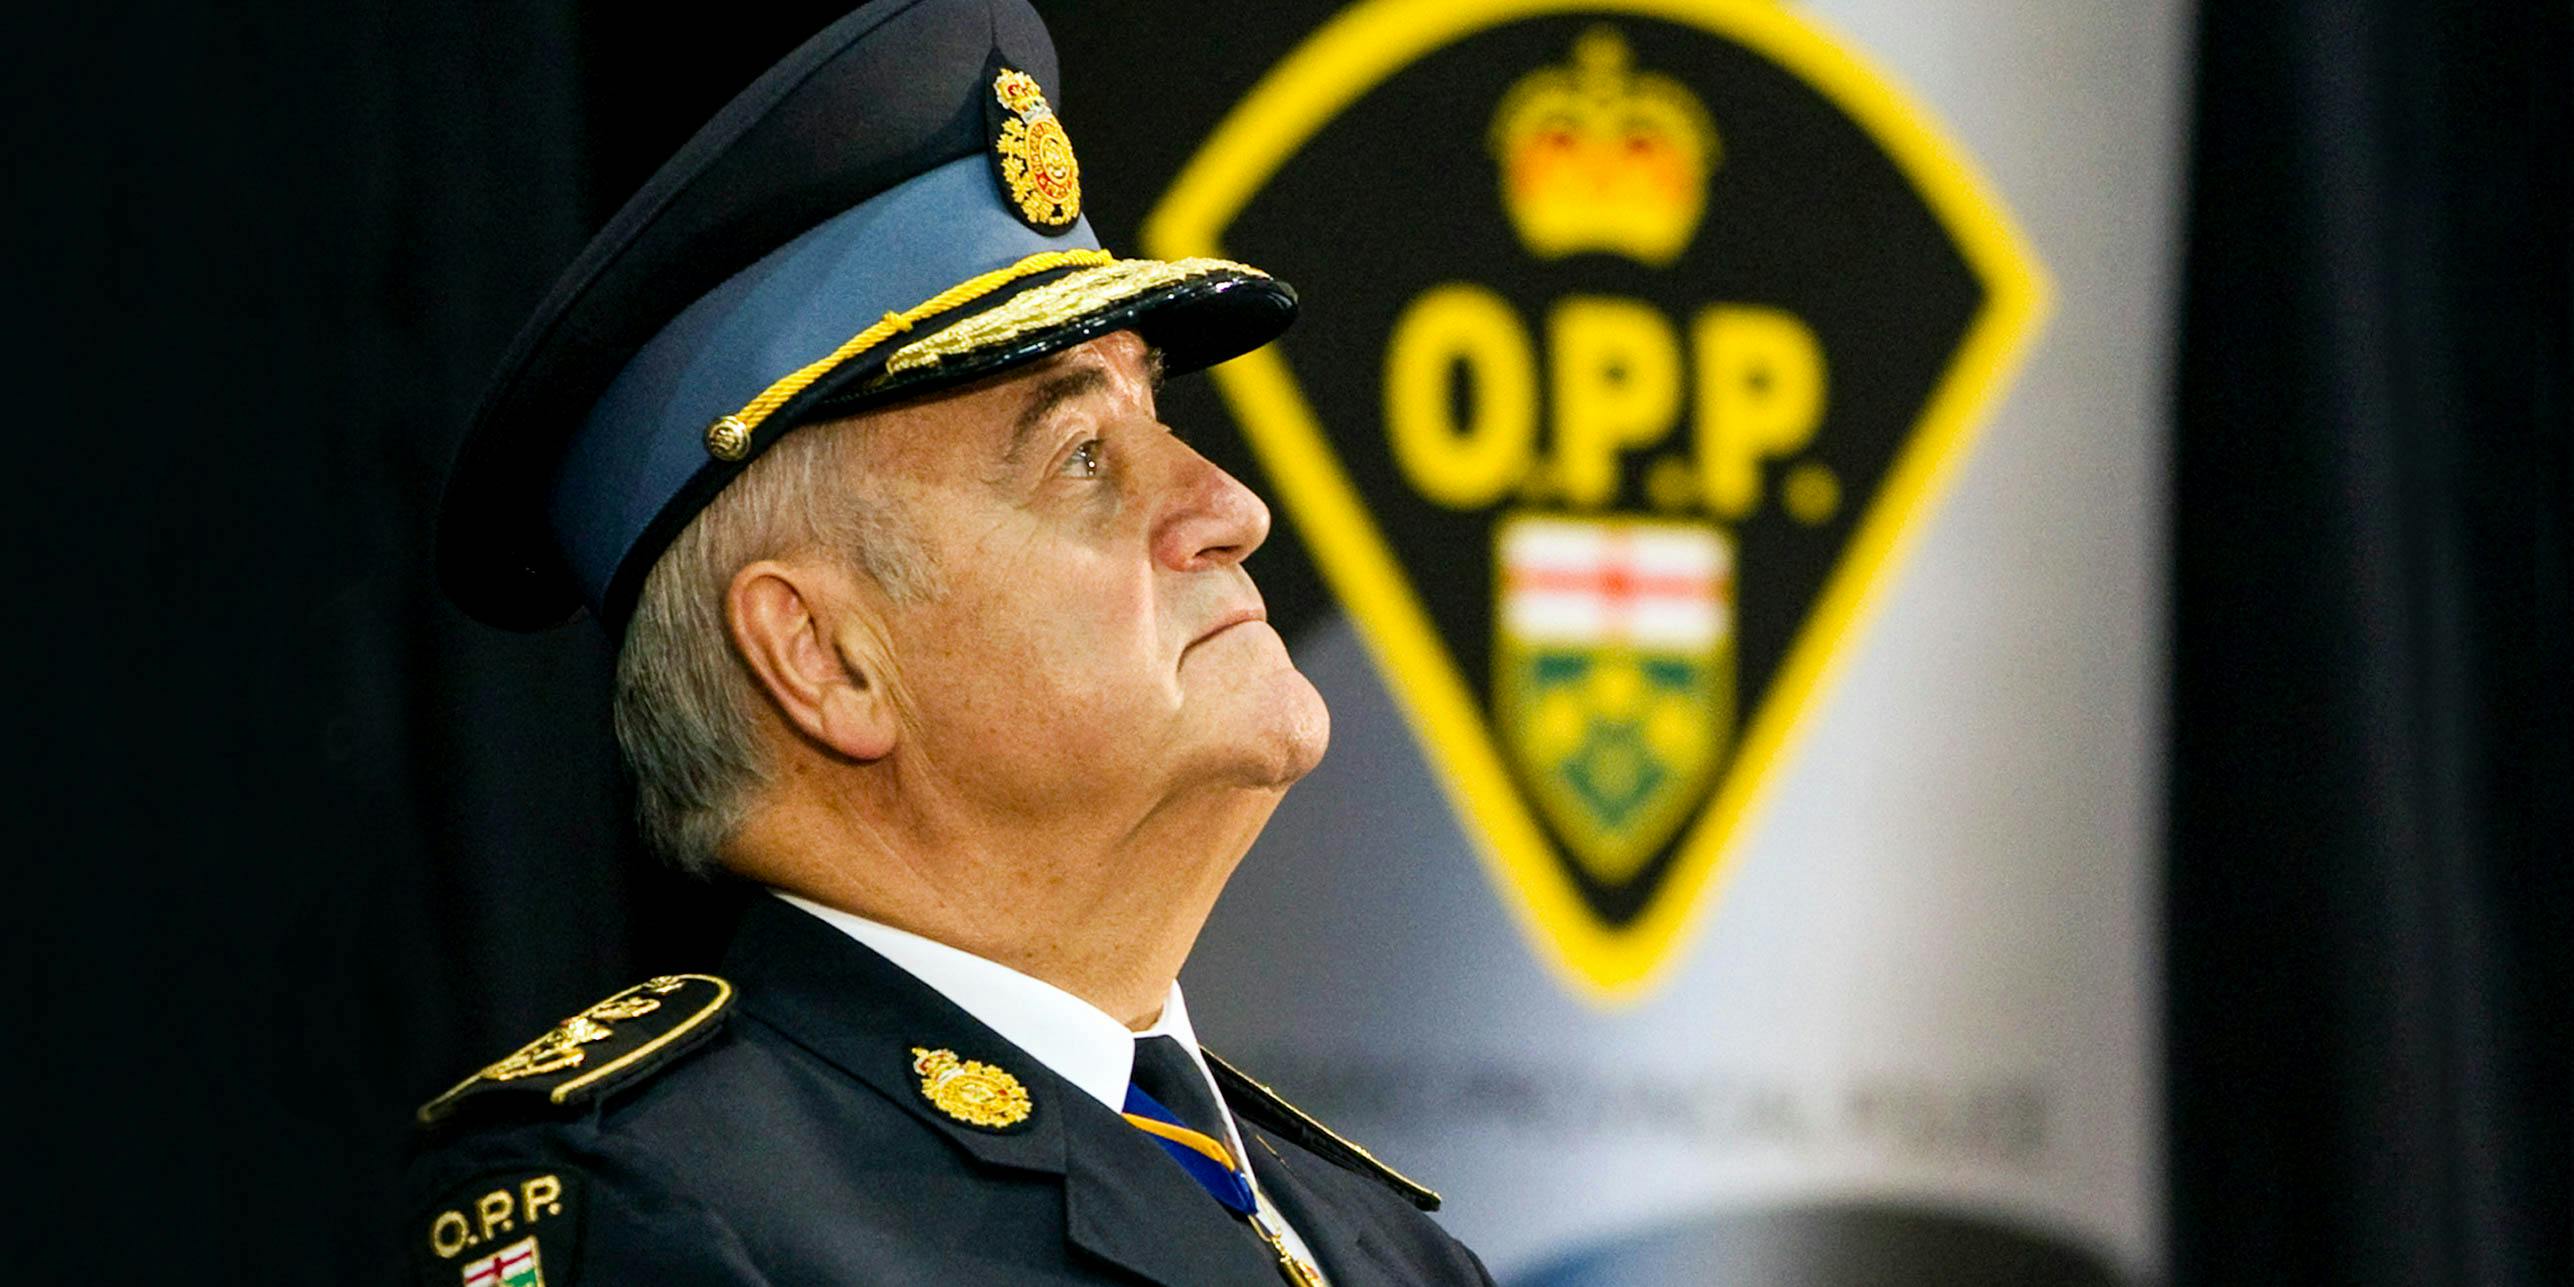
(1094, 633)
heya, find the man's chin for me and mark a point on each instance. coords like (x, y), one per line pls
(1285, 732)
(1311, 732)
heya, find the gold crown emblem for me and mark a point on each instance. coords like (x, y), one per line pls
(1597, 156)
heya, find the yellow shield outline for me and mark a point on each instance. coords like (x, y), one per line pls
(1361, 48)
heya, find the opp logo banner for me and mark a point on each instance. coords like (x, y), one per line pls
(1638, 336)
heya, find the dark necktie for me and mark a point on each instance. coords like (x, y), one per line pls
(1164, 1070)
(1171, 1100)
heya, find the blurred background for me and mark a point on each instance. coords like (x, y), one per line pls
(2102, 815)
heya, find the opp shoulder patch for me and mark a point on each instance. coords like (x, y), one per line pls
(1262, 1105)
(515, 1228)
(616, 1042)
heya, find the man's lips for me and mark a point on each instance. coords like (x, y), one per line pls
(1229, 620)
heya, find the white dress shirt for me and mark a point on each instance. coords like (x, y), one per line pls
(1074, 1039)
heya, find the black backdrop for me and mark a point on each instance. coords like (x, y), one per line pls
(304, 843)
(298, 843)
(2371, 948)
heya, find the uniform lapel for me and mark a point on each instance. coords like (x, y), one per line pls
(1125, 1201)
(1335, 1232)
(865, 1015)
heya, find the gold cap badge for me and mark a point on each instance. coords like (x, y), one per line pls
(1033, 155)
(974, 1093)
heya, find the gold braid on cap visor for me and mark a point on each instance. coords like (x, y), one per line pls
(1100, 280)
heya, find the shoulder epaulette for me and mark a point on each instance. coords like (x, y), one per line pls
(620, 1040)
(1260, 1104)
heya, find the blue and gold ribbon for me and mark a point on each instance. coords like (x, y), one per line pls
(1204, 1157)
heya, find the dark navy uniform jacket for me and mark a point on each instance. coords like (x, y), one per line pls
(770, 1128)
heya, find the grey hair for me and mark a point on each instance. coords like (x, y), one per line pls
(688, 711)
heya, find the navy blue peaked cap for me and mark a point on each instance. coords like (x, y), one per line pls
(892, 210)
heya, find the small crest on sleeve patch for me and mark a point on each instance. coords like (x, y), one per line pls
(1032, 157)
(502, 1230)
(515, 1265)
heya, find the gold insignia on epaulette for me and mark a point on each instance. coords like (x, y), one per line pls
(970, 1091)
(561, 1046)
(567, 1047)
(1035, 155)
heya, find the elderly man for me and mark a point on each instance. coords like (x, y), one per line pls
(933, 629)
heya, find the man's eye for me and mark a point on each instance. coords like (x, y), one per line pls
(1084, 461)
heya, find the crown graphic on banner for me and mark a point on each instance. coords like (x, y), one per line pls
(1596, 156)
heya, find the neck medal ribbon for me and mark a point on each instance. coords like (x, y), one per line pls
(1211, 1164)
(1205, 1158)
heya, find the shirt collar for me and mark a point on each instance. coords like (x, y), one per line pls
(1074, 1039)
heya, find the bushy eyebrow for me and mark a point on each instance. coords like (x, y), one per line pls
(1044, 400)
(1062, 387)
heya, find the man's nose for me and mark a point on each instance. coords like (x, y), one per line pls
(1213, 519)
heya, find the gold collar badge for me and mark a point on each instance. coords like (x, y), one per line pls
(974, 1093)
(1034, 155)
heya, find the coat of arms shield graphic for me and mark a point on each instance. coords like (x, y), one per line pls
(1613, 677)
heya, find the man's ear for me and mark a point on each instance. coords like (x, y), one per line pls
(786, 621)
